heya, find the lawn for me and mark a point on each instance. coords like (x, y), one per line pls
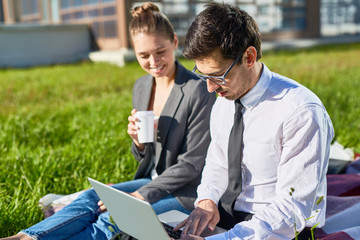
(63, 123)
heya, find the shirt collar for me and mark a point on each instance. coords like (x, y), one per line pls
(250, 99)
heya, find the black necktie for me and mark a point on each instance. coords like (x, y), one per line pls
(234, 161)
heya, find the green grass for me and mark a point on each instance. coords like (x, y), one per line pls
(61, 124)
(333, 73)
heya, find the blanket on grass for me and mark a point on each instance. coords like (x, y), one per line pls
(343, 206)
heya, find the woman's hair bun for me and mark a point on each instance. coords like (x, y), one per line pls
(146, 7)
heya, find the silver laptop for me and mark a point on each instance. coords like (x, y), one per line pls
(136, 217)
(132, 215)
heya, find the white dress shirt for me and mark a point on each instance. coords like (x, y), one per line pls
(286, 145)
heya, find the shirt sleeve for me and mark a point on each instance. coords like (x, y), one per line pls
(306, 141)
(214, 178)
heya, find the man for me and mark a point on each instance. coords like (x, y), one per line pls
(280, 137)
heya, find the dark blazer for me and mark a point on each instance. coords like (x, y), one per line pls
(182, 138)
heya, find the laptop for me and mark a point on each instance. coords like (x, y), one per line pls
(136, 217)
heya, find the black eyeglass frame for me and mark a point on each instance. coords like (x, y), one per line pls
(212, 78)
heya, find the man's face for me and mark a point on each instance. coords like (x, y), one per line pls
(237, 80)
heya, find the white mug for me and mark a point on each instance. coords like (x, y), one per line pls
(145, 123)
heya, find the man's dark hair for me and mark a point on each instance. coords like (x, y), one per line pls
(225, 27)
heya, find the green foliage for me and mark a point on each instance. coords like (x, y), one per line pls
(61, 124)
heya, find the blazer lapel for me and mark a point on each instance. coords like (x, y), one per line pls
(171, 106)
(145, 94)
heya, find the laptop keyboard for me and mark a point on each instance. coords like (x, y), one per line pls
(171, 233)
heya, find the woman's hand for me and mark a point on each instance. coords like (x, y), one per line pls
(137, 195)
(132, 130)
(102, 207)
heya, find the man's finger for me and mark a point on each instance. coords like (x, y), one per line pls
(194, 226)
(180, 225)
(201, 226)
(186, 228)
(213, 222)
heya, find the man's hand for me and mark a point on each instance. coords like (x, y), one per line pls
(206, 214)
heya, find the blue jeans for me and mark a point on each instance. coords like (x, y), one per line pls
(81, 219)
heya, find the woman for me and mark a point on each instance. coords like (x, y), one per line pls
(170, 168)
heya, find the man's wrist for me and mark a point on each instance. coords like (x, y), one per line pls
(207, 201)
(197, 202)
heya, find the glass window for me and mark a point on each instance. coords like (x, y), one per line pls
(106, 1)
(300, 10)
(1, 12)
(24, 7)
(92, 2)
(29, 7)
(300, 23)
(93, 13)
(176, 8)
(286, 23)
(34, 6)
(300, 2)
(96, 29)
(66, 17)
(79, 14)
(65, 3)
(109, 11)
(264, 9)
(78, 3)
(286, 10)
(176, 1)
(110, 29)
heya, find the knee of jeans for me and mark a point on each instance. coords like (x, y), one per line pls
(89, 195)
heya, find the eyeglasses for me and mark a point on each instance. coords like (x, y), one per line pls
(215, 79)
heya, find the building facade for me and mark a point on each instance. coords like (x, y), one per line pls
(109, 19)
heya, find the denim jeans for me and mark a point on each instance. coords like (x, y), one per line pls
(81, 219)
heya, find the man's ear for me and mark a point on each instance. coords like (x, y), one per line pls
(250, 56)
(176, 41)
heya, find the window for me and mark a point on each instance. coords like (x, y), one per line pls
(78, 3)
(79, 14)
(90, 2)
(29, 7)
(109, 11)
(65, 3)
(66, 17)
(96, 29)
(110, 29)
(1, 12)
(93, 13)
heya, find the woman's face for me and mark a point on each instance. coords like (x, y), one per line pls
(155, 54)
